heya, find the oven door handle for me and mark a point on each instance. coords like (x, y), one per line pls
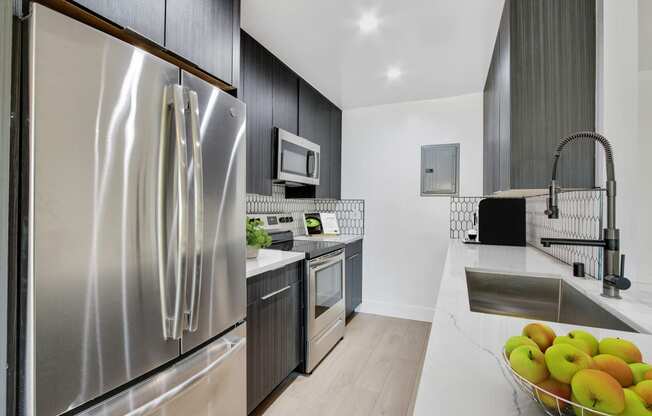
(327, 260)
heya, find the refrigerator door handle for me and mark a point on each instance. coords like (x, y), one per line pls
(173, 326)
(198, 232)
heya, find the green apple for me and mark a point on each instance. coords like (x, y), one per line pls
(578, 410)
(586, 337)
(517, 341)
(621, 348)
(575, 342)
(644, 391)
(555, 388)
(529, 363)
(635, 405)
(540, 333)
(615, 367)
(598, 391)
(641, 371)
(564, 360)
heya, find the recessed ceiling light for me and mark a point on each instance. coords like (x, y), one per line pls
(394, 73)
(368, 23)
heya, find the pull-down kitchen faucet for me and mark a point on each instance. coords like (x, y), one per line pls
(614, 278)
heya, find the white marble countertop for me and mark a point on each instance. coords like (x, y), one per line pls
(462, 372)
(342, 238)
(271, 260)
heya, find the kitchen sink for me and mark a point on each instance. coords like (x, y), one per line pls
(539, 298)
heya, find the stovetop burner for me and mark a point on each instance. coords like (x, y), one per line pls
(284, 241)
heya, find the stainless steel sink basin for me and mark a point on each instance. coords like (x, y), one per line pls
(546, 299)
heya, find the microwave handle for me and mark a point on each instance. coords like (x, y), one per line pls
(311, 161)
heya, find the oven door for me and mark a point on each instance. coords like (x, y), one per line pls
(298, 159)
(325, 292)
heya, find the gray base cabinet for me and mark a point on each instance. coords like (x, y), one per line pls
(274, 330)
(353, 289)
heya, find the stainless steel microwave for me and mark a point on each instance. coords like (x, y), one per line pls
(297, 159)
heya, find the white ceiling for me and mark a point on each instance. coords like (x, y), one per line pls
(443, 47)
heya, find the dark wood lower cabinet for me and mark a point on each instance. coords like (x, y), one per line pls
(274, 330)
(353, 295)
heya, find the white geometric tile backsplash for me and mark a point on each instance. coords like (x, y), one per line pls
(580, 217)
(349, 212)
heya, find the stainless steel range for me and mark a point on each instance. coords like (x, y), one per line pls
(324, 283)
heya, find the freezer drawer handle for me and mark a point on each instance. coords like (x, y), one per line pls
(178, 390)
(271, 295)
(198, 174)
(173, 326)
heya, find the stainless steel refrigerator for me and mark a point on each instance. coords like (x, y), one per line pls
(135, 283)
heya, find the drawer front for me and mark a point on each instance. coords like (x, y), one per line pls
(267, 284)
(353, 248)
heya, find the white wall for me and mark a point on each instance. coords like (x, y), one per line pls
(406, 235)
(644, 238)
(624, 118)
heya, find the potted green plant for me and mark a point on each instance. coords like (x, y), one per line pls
(257, 238)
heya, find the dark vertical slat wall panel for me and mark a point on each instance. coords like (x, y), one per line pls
(202, 31)
(553, 90)
(491, 145)
(146, 17)
(540, 87)
(503, 74)
(488, 120)
(257, 93)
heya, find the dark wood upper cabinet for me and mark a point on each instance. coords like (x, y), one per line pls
(257, 93)
(145, 17)
(286, 98)
(205, 33)
(539, 89)
(314, 125)
(277, 97)
(336, 152)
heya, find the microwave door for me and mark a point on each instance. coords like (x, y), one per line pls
(298, 159)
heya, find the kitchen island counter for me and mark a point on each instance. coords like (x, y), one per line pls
(462, 372)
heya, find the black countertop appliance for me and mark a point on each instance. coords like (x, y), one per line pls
(502, 221)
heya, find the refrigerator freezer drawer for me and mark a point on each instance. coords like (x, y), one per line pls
(210, 382)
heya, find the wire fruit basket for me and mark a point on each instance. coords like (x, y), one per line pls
(555, 406)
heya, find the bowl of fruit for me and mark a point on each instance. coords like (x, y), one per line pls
(575, 374)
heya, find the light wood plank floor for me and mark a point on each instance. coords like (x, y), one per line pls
(374, 370)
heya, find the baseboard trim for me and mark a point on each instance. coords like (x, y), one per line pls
(395, 310)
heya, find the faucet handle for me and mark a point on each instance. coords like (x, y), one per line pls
(622, 265)
(619, 282)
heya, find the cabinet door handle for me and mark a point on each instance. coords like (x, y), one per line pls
(271, 295)
(354, 256)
